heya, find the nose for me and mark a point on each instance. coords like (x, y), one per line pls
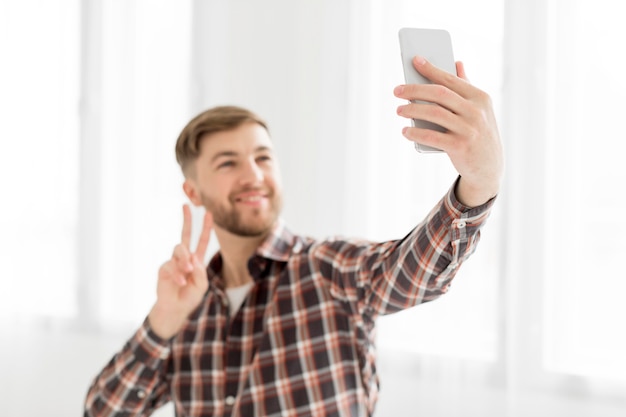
(252, 173)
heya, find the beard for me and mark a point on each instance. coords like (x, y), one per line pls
(254, 224)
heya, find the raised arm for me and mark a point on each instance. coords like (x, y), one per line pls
(383, 278)
(387, 277)
(134, 382)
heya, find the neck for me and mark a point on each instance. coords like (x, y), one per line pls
(236, 251)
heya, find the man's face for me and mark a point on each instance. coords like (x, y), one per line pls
(238, 181)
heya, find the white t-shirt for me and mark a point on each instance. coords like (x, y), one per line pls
(236, 296)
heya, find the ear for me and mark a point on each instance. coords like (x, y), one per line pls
(191, 190)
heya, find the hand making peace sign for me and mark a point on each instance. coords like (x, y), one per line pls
(182, 280)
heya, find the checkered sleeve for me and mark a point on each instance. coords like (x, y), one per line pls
(390, 276)
(133, 383)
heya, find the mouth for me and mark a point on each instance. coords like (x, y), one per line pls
(250, 198)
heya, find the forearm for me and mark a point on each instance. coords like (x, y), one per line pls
(132, 382)
(166, 323)
(421, 267)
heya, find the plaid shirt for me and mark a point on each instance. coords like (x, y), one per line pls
(302, 344)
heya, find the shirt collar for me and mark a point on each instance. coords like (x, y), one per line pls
(277, 246)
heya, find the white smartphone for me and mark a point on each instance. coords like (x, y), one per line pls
(436, 46)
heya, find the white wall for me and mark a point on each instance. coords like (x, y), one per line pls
(291, 68)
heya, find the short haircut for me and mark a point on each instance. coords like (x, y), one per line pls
(213, 120)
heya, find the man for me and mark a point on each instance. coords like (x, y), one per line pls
(280, 324)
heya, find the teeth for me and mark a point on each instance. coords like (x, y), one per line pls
(252, 198)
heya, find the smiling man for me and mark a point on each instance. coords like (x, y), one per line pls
(280, 324)
(235, 176)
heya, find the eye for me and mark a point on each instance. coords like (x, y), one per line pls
(226, 164)
(263, 158)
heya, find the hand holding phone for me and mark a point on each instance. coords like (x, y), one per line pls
(436, 46)
(472, 141)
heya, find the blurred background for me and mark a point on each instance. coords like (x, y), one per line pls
(94, 93)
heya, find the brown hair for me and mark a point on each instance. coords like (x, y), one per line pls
(214, 120)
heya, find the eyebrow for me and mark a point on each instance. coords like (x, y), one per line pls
(224, 154)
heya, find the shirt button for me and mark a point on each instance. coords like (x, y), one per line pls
(230, 400)
(141, 394)
(461, 224)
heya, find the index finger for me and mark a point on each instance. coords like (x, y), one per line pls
(438, 76)
(186, 234)
(203, 242)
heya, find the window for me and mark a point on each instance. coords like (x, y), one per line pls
(95, 93)
(584, 270)
(39, 157)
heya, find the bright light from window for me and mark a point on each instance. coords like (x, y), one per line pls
(585, 300)
(39, 159)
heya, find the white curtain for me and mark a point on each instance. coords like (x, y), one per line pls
(93, 97)
(38, 157)
(584, 269)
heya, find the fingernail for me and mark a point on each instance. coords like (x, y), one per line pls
(398, 90)
(404, 130)
(420, 60)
